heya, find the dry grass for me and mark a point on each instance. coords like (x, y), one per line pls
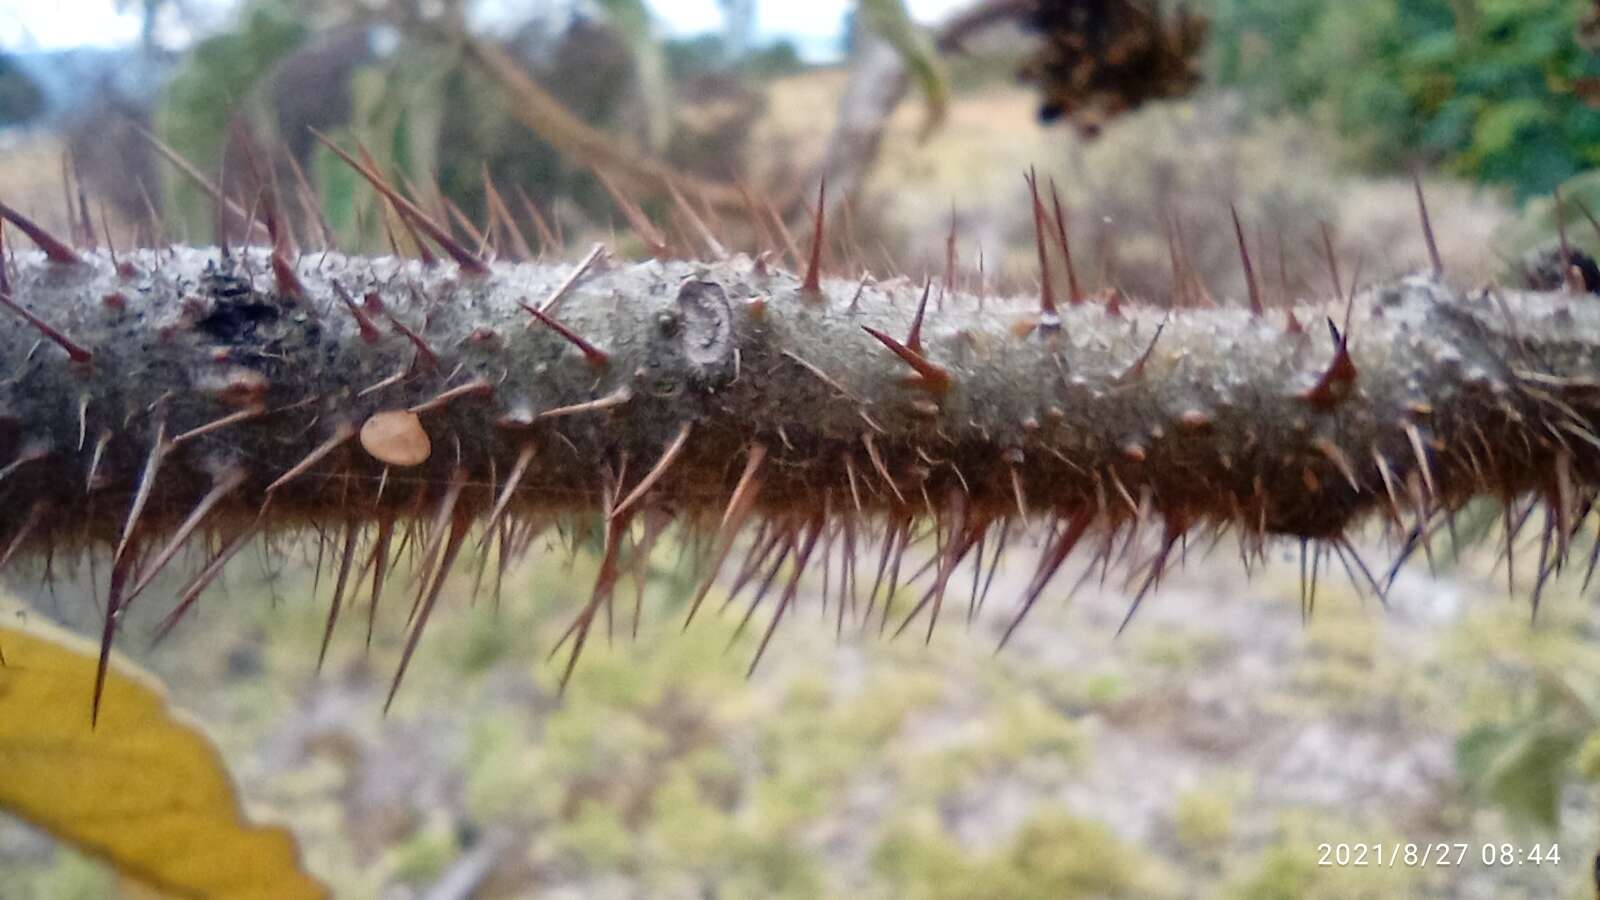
(1182, 162)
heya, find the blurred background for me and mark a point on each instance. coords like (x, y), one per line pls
(1206, 753)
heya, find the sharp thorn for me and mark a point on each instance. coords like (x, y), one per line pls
(342, 433)
(1049, 316)
(914, 336)
(1427, 229)
(813, 280)
(1256, 308)
(52, 246)
(409, 211)
(75, 351)
(670, 456)
(647, 230)
(596, 357)
(616, 398)
(930, 376)
(224, 485)
(1074, 291)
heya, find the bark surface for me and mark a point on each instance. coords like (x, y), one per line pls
(212, 393)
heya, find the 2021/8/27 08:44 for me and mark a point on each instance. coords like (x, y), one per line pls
(1436, 854)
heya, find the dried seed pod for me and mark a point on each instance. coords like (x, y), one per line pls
(396, 437)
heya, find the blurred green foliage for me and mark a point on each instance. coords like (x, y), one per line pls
(1501, 91)
(1054, 856)
(1536, 733)
(412, 100)
(218, 80)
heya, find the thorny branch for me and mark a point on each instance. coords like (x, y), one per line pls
(184, 396)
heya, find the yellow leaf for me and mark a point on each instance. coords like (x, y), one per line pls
(144, 791)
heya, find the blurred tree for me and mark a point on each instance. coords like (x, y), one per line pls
(1501, 91)
(739, 26)
(20, 98)
(403, 85)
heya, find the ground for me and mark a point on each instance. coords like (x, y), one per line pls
(1207, 752)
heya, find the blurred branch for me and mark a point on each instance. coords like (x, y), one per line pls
(889, 20)
(975, 19)
(1094, 61)
(631, 18)
(554, 123)
(880, 74)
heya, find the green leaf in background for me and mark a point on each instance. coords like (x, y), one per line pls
(1520, 767)
(218, 80)
(1489, 88)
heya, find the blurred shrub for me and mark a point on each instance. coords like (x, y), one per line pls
(221, 73)
(20, 99)
(1532, 723)
(289, 65)
(1054, 855)
(1501, 91)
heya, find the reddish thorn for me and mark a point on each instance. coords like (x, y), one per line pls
(189, 171)
(790, 248)
(1066, 247)
(309, 204)
(1334, 385)
(1570, 276)
(52, 247)
(933, 377)
(5, 275)
(409, 211)
(267, 199)
(1136, 370)
(697, 223)
(1427, 228)
(423, 253)
(914, 338)
(1256, 308)
(83, 210)
(66, 195)
(813, 282)
(475, 387)
(220, 219)
(497, 205)
(1294, 324)
(454, 212)
(75, 351)
(547, 239)
(369, 329)
(950, 254)
(1049, 318)
(647, 230)
(1114, 303)
(424, 352)
(1333, 261)
(596, 357)
(283, 271)
(1180, 281)
(120, 570)
(111, 246)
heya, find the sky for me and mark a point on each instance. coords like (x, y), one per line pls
(59, 24)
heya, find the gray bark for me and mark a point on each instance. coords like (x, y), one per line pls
(1456, 395)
